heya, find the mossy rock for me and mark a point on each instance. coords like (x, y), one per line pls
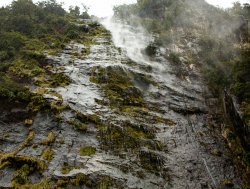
(127, 136)
(118, 86)
(151, 161)
(82, 179)
(18, 161)
(48, 154)
(79, 126)
(87, 151)
(28, 122)
(65, 169)
(88, 118)
(49, 140)
(59, 80)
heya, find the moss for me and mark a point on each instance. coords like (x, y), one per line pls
(126, 136)
(228, 183)
(62, 141)
(88, 118)
(21, 176)
(151, 161)
(43, 184)
(28, 122)
(79, 126)
(61, 183)
(38, 103)
(105, 182)
(48, 154)
(42, 91)
(30, 137)
(82, 179)
(158, 119)
(136, 111)
(49, 140)
(35, 146)
(10, 159)
(12, 90)
(59, 80)
(26, 68)
(65, 169)
(117, 86)
(87, 151)
(58, 106)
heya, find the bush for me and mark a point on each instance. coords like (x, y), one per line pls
(11, 41)
(13, 91)
(72, 34)
(174, 57)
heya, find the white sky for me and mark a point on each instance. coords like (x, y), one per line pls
(104, 7)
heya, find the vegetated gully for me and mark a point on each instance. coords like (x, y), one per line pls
(151, 129)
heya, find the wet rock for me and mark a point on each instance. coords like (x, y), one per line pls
(129, 137)
(15, 115)
(151, 160)
(51, 97)
(188, 110)
(68, 48)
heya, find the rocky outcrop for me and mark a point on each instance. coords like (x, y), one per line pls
(240, 127)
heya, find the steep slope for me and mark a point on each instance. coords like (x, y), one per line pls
(122, 119)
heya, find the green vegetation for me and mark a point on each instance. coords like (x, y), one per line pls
(79, 126)
(48, 154)
(10, 159)
(66, 169)
(49, 140)
(26, 31)
(118, 87)
(81, 179)
(87, 151)
(127, 137)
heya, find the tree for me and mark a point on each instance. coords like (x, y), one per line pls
(24, 8)
(74, 10)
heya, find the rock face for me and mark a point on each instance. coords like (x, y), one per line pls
(131, 122)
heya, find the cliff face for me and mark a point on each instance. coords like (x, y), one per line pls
(124, 120)
(105, 114)
(216, 41)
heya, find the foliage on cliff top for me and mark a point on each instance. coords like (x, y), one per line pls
(26, 30)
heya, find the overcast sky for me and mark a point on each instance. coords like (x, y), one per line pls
(104, 7)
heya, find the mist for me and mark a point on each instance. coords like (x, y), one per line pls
(133, 40)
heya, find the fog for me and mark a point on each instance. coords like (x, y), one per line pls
(129, 38)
